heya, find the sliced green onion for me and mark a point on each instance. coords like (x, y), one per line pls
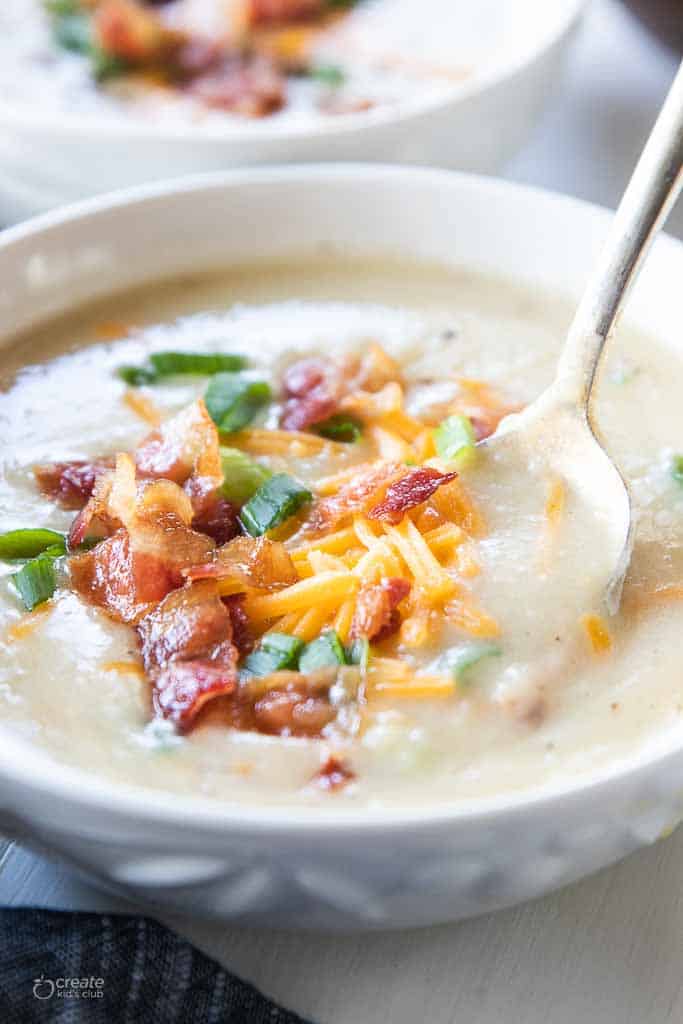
(455, 440)
(167, 364)
(136, 376)
(242, 476)
(62, 7)
(276, 500)
(106, 65)
(174, 364)
(461, 660)
(677, 469)
(358, 653)
(36, 581)
(339, 428)
(328, 74)
(233, 400)
(29, 543)
(277, 651)
(72, 31)
(326, 650)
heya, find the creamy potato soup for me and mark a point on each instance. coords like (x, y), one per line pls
(201, 61)
(248, 554)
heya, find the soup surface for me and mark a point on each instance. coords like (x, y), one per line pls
(205, 61)
(328, 613)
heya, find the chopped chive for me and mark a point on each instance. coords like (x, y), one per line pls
(358, 653)
(326, 650)
(277, 651)
(72, 31)
(136, 376)
(242, 475)
(339, 428)
(36, 581)
(274, 502)
(455, 440)
(233, 400)
(328, 74)
(173, 364)
(677, 469)
(167, 364)
(106, 65)
(62, 7)
(462, 659)
(29, 543)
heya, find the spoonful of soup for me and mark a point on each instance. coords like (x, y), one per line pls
(559, 511)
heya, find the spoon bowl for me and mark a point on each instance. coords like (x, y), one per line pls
(553, 442)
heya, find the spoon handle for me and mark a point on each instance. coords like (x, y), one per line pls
(650, 195)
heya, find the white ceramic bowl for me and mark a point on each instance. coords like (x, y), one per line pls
(318, 868)
(48, 158)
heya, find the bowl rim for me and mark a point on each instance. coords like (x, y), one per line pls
(52, 779)
(266, 131)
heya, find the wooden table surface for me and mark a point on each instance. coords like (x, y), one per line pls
(608, 950)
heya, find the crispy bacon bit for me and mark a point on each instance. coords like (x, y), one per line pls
(182, 689)
(241, 631)
(333, 775)
(243, 84)
(185, 449)
(218, 520)
(71, 483)
(188, 653)
(312, 392)
(413, 489)
(124, 582)
(96, 517)
(153, 543)
(355, 496)
(255, 562)
(295, 705)
(270, 12)
(375, 615)
(128, 30)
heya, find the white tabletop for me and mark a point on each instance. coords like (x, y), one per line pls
(605, 951)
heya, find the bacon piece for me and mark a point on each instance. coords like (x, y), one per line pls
(375, 614)
(127, 584)
(312, 394)
(71, 483)
(250, 85)
(413, 489)
(187, 651)
(219, 520)
(269, 12)
(355, 496)
(152, 544)
(333, 775)
(241, 631)
(96, 515)
(185, 449)
(255, 562)
(183, 688)
(128, 30)
(294, 705)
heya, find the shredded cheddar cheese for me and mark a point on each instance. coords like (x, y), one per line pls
(28, 623)
(131, 668)
(142, 406)
(598, 633)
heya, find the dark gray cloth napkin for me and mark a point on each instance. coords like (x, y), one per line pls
(77, 968)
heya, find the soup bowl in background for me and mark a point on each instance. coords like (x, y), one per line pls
(324, 867)
(50, 156)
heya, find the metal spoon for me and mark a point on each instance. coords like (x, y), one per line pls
(556, 430)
